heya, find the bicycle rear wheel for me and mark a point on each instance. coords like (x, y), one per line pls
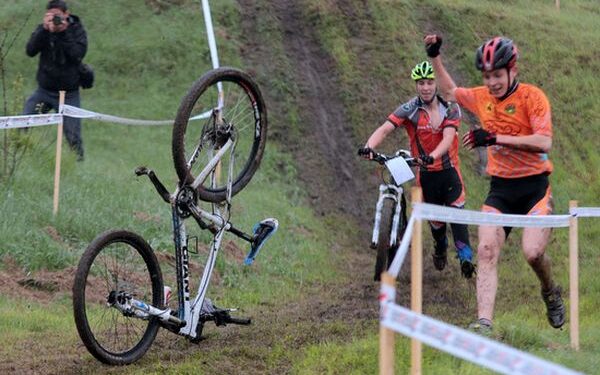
(224, 98)
(116, 261)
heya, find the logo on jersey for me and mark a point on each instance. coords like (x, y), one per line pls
(510, 109)
(489, 107)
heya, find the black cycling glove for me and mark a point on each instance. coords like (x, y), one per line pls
(426, 159)
(433, 49)
(365, 152)
(479, 138)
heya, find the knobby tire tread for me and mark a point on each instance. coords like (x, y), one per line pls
(383, 241)
(181, 123)
(79, 301)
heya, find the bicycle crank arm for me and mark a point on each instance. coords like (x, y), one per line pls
(216, 222)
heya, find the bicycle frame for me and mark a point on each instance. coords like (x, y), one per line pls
(189, 311)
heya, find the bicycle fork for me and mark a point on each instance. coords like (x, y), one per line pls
(392, 192)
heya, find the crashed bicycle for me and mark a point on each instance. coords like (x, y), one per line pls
(120, 299)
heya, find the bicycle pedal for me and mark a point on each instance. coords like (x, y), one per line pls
(262, 231)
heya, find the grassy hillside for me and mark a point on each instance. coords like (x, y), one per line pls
(558, 58)
(146, 58)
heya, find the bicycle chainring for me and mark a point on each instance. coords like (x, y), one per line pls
(185, 198)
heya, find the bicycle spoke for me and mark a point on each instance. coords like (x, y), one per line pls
(242, 116)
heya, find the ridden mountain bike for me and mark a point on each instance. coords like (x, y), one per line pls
(119, 296)
(390, 211)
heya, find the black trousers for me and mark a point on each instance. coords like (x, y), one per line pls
(42, 101)
(445, 188)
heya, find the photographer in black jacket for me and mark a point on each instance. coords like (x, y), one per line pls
(61, 42)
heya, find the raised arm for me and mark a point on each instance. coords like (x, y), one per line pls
(444, 80)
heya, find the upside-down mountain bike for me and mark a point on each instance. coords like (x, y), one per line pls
(390, 211)
(119, 297)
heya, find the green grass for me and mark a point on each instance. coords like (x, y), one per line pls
(145, 61)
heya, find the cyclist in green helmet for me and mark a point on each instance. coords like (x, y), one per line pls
(431, 124)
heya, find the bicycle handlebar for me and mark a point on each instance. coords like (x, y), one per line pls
(382, 158)
(160, 188)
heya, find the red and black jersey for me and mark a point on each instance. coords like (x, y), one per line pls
(413, 116)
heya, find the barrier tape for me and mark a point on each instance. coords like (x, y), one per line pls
(71, 111)
(585, 211)
(455, 215)
(466, 345)
(403, 248)
(26, 121)
(426, 211)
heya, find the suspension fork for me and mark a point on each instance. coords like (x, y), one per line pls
(393, 192)
(396, 218)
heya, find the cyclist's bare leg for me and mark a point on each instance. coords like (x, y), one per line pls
(534, 246)
(491, 239)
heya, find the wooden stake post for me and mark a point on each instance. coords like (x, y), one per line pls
(416, 282)
(386, 336)
(574, 279)
(59, 136)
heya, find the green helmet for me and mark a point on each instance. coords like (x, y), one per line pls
(422, 70)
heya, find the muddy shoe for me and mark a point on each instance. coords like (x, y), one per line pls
(465, 256)
(467, 268)
(440, 256)
(481, 326)
(555, 308)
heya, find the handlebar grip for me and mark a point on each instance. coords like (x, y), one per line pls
(363, 151)
(160, 188)
(240, 321)
(140, 171)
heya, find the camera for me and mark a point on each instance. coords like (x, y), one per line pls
(57, 20)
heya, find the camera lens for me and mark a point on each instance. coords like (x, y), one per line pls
(57, 20)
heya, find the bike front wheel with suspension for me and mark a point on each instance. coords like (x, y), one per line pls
(224, 103)
(120, 263)
(386, 251)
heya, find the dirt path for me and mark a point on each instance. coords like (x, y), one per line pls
(326, 159)
(326, 152)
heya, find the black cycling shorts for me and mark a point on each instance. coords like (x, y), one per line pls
(444, 188)
(529, 195)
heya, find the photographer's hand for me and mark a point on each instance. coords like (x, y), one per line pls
(52, 25)
(47, 21)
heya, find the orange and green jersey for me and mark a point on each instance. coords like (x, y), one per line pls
(526, 111)
(423, 138)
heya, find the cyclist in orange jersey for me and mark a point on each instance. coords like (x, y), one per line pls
(517, 130)
(431, 124)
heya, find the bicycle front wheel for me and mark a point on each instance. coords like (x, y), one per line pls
(222, 100)
(116, 262)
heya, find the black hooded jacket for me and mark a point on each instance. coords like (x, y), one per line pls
(60, 55)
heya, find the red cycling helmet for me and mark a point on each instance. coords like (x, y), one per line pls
(496, 53)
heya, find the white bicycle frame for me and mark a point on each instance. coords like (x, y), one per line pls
(189, 311)
(394, 193)
(399, 171)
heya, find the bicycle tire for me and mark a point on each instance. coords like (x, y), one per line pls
(383, 241)
(116, 260)
(243, 107)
